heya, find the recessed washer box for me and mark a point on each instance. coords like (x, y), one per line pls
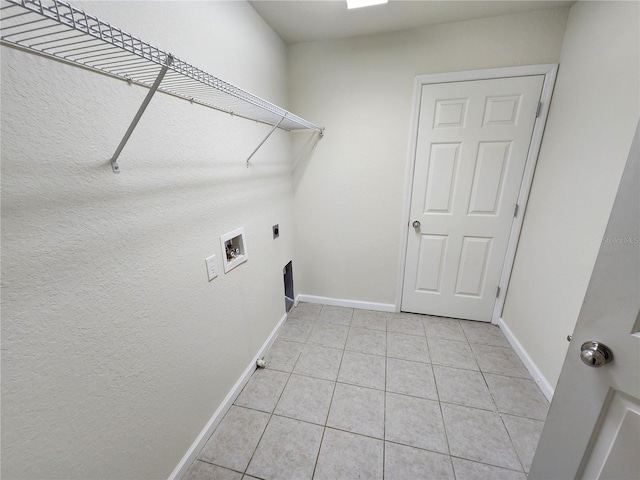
(234, 249)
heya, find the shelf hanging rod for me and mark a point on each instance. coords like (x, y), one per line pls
(136, 119)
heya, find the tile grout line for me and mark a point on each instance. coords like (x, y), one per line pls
(324, 427)
(444, 424)
(440, 402)
(497, 409)
(216, 465)
(384, 412)
(265, 427)
(513, 445)
(488, 464)
(271, 414)
(326, 420)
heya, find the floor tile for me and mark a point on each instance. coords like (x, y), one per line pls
(499, 360)
(463, 387)
(365, 340)
(305, 308)
(451, 353)
(407, 347)
(484, 333)
(525, 434)
(263, 390)
(416, 422)
(336, 315)
(235, 439)
(283, 355)
(205, 471)
(357, 410)
(468, 470)
(448, 328)
(295, 331)
(406, 323)
(288, 450)
(368, 394)
(362, 369)
(479, 435)
(306, 398)
(404, 463)
(411, 378)
(346, 455)
(309, 320)
(328, 335)
(517, 396)
(319, 362)
(369, 319)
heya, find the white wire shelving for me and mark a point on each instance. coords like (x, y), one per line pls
(58, 30)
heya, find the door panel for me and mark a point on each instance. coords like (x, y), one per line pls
(472, 266)
(432, 250)
(593, 426)
(450, 113)
(615, 451)
(473, 141)
(502, 110)
(486, 189)
(441, 178)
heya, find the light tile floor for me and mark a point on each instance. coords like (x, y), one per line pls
(357, 394)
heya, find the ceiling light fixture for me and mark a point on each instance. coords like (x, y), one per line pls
(351, 4)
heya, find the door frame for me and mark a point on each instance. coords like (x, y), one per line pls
(550, 72)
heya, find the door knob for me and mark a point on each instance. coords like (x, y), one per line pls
(595, 354)
(416, 224)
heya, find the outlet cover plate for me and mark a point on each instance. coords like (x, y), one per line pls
(211, 267)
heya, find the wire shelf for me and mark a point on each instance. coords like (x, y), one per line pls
(58, 30)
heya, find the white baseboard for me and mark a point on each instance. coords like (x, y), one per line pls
(535, 372)
(213, 422)
(337, 302)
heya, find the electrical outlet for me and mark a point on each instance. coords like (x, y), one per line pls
(211, 267)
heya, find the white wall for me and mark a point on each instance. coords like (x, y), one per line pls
(593, 115)
(116, 350)
(349, 193)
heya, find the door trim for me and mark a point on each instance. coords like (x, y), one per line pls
(549, 71)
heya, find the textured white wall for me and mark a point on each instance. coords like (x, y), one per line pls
(116, 350)
(595, 108)
(349, 194)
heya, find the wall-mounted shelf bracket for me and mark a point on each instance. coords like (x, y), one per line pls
(114, 160)
(265, 139)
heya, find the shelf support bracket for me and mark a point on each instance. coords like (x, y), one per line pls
(136, 119)
(265, 139)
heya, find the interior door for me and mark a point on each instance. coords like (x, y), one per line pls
(593, 426)
(472, 144)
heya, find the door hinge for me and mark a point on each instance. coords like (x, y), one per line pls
(539, 109)
(515, 210)
(498, 292)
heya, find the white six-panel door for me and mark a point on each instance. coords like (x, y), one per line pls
(472, 145)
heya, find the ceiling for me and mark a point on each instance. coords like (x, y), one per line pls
(298, 21)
